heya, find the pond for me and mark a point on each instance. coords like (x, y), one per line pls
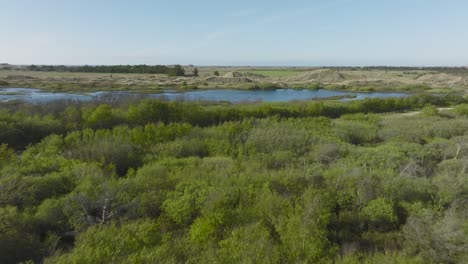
(234, 96)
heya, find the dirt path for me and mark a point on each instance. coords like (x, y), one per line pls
(417, 112)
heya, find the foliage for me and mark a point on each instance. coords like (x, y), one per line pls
(151, 181)
(177, 70)
(430, 110)
(149, 69)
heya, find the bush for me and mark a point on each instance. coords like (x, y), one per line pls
(461, 109)
(430, 110)
(356, 132)
(263, 86)
(101, 244)
(314, 86)
(381, 214)
(111, 149)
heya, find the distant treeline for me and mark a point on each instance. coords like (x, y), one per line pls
(177, 70)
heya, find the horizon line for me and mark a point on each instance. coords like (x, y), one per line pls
(250, 66)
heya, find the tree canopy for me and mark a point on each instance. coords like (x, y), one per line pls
(189, 182)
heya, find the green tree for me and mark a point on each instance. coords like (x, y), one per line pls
(176, 71)
(113, 243)
(381, 214)
(101, 117)
(250, 244)
(18, 241)
(6, 155)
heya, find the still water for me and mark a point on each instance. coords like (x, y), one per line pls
(234, 96)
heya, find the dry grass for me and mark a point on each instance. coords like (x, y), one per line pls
(241, 77)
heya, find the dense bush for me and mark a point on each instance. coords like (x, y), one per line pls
(176, 182)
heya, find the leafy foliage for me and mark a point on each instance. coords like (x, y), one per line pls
(174, 182)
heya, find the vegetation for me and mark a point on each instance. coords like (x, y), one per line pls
(150, 181)
(456, 70)
(177, 70)
(438, 80)
(278, 72)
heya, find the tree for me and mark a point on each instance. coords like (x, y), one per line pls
(216, 73)
(101, 117)
(176, 71)
(381, 214)
(100, 244)
(250, 244)
(6, 155)
(195, 71)
(17, 242)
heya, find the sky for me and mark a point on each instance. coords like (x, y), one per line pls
(241, 32)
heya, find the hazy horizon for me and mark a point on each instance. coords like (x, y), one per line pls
(247, 66)
(245, 33)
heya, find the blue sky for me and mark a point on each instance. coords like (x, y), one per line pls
(205, 32)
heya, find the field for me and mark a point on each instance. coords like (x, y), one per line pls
(276, 72)
(360, 79)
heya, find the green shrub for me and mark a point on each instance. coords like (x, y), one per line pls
(430, 110)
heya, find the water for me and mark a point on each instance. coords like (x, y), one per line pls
(39, 96)
(234, 96)
(278, 95)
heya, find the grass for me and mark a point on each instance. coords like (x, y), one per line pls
(276, 72)
(319, 78)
